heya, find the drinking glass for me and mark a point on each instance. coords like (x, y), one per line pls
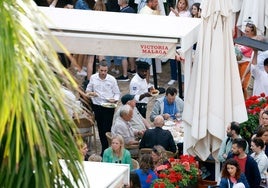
(178, 116)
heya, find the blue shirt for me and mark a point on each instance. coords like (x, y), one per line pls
(170, 109)
(146, 179)
(127, 9)
(81, 4)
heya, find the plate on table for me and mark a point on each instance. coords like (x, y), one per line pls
(154, 93)
(109, 105)
(110, 100)
(169, 123)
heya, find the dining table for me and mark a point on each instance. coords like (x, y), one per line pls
(103, 175)
(176, 129)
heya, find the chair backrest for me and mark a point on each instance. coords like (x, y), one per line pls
(83, 123)
(109, 137)
(135, 164)
(206, 183)
(170, 154)
(143, 151)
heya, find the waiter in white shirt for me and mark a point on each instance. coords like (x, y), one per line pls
(140, 88)
(103, 88)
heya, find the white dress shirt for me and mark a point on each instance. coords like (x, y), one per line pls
(105, 89)
(137, 87)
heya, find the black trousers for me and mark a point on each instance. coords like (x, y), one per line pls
(142, 108)
(104, 118)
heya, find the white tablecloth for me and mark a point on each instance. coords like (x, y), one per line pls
(105, 175)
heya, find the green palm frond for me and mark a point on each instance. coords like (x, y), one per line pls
(35, 128)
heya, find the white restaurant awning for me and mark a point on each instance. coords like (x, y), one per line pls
(121, 34)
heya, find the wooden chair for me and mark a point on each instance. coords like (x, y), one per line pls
(135, 164)
(170, 154)
(85, 123)
(109, 137)
(143, 151)
(206, 183)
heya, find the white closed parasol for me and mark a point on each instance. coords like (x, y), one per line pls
(214, 96)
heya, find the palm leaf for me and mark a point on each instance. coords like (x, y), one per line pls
(35, 128)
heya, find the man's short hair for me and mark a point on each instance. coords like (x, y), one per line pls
(125, 110)
(141, 65)
(103, 63)
(241, 143)
(172, 91)
(235, 126)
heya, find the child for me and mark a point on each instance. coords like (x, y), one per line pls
(232, 176)
(195, 10)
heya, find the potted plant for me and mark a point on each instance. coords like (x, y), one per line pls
(254, 106)
(182, 172)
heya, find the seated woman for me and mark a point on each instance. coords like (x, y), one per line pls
(159, 157)
(117, 153)
(145, 172)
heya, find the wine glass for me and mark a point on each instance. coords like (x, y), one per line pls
(178, 116)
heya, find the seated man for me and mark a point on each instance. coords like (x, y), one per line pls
(168, 106)
(158, 136)
(123, 127)
(137, 122)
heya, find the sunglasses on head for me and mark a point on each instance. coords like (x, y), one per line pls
(250, 25)
(155, 150)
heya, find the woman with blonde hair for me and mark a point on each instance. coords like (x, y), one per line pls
(117, 153)
(159, 157)
(181, 9)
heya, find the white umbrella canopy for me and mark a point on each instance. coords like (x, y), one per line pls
(214, 97)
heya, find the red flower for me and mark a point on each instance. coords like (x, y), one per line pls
(181, 173)
(262, 94)
(186, 166)
(254, 105)
(162, 185)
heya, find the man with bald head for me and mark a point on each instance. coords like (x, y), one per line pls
(158, 136)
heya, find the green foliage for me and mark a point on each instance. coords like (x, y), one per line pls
(254, 105)
(248, 127)
(35, 131)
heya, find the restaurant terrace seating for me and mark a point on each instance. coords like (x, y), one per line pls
(85, 123)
